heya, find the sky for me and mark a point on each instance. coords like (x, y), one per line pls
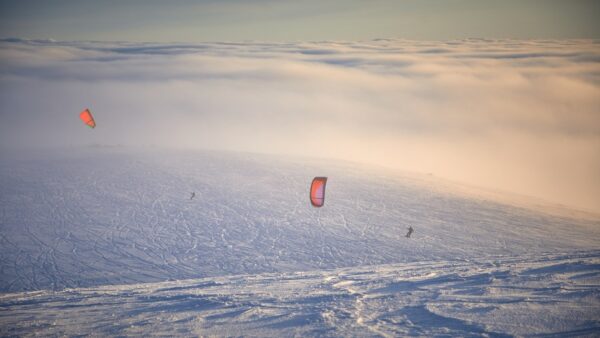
(517, 109)
(285, 20)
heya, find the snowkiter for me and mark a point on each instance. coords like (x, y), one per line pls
(193, 195)
(410, 231)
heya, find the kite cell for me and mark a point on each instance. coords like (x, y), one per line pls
(317, 191)
(87, 118)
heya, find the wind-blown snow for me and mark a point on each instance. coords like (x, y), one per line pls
(250, 256)
(92, 217)
(554, 295)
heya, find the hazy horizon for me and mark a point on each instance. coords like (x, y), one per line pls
(502, 95)
(512, 115)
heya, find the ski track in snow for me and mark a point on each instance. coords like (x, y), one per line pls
(84, 235)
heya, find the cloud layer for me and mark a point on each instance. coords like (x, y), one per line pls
(521, 116)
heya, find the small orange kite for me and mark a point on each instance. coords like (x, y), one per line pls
(87, 118)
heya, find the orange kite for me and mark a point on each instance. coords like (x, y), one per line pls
(87, 118)
(317, 191)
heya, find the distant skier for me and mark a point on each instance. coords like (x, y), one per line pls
(193, 195)
(410, 231)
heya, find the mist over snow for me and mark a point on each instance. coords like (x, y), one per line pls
(99, 232)
(515, 115)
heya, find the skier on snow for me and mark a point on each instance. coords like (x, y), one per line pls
(193, 195)
(410, 231)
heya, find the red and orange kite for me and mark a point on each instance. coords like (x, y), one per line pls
(87, 118)
(317, 191)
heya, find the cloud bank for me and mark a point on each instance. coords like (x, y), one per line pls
(522, 116)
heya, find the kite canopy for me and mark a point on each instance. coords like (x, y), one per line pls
(317, 191)
(87, 118)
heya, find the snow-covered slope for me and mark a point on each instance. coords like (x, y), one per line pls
(107, 241)
(541, 295)
(95, 216)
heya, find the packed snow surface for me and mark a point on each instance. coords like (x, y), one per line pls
(108, 241)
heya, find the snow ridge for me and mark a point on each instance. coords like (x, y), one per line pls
(551, 294)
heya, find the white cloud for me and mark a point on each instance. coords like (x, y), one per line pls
(516, 115)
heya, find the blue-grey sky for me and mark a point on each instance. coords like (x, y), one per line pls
(278, 20)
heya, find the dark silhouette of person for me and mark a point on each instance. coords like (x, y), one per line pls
(193, 195)
(410, 231)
